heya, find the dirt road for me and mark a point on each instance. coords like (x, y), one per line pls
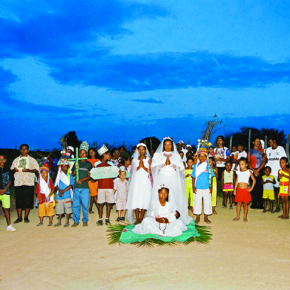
(252, 255)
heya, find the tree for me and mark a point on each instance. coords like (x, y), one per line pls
(72, 139)
(243, 135)
(151, 143)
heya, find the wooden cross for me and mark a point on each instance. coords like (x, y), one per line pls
(77, 163)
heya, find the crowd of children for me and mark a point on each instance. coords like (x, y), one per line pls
(260, 176)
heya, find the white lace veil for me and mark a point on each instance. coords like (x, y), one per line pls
(175, 180)
(134, 165)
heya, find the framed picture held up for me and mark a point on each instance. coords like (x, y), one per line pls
(22, 163)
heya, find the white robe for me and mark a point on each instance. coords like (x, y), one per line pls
(173, 176)
(139, 192)
(150, 226)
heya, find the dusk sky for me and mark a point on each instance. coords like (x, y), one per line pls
(118, 71)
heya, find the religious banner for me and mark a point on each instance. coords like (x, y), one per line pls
(104, 172)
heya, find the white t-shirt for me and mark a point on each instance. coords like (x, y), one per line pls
(268, 186)
(274, 158)
(240, 155)
(223, 152)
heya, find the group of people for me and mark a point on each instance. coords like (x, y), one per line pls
(165, 184)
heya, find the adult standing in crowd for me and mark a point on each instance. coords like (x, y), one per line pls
(24, 168)
(257, 161)
(274, 154)
(116, 156)
(222, 155)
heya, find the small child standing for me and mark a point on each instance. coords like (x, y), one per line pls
(268, 189)
(214, 185)
(63, 185)
(44, 190)
(227, 183)
(202, 180)
(242, 190)
(188, 183)
(93, 184)
(121, 186)
(283, 178)
(105, 187)
(6, 178)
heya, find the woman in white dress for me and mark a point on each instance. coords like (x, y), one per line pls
(139, 192)
(168, 168)
(163, 218)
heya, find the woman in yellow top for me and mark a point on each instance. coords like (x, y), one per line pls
(188, 183)
(283, 177)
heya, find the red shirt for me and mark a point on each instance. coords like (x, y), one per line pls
(42, 195)
(105, 183)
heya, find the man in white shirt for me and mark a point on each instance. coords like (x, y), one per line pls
(236, 156)
(274, 154)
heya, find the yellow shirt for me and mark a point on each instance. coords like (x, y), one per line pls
(188, 180)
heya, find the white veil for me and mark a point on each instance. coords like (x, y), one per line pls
(132, 181)
(173, 177)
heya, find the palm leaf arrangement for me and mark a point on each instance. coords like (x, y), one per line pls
(209, 128)
(115, 232)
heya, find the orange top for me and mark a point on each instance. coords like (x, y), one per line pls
(93, 161)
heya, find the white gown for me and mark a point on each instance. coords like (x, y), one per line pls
(150, 226)
(139, 192)
(173, 176)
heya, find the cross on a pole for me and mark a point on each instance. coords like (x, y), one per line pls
(77, 163)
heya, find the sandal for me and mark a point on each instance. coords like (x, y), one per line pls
(91, 211)
(245, 219)
(18, 221)
(39, 224)
(66, 225)
(236, 219)
(57, 225)
(26, 220)
(50, 224)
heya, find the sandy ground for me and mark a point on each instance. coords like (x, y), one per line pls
(253, 255)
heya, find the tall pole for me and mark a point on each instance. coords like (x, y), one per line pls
(231, 143)
(266, 142)
(249, 140)
(287, 145)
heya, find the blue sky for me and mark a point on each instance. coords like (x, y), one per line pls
(117, 71)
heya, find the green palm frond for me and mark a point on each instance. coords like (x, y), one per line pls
(115, 232)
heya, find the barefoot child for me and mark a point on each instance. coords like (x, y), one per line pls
(6, 178)
(283, 178)
(268, 182)
(44, 190)
(93, 184)
(188, 183)
(121, 187)
(202, 180)
(227, 183)
(214, 185)
(63, 186)
(242, 190)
